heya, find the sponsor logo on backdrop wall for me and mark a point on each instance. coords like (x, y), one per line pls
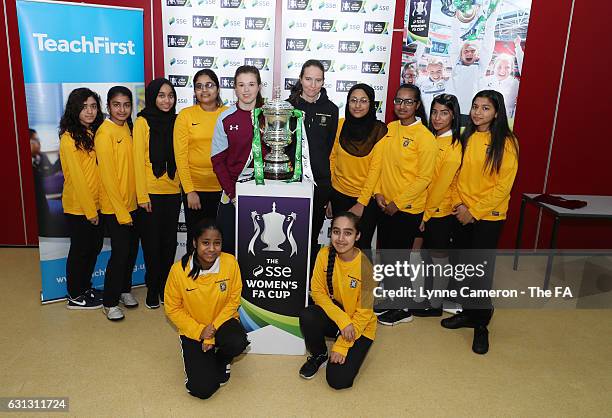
(337, 32)
(223, 35)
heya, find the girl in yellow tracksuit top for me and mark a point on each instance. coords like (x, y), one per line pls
(193, 132)
(355, 160)
(202, 297)
(157, 186)
(341, 288)
(490, 163)
(80, 196)
(114, 150)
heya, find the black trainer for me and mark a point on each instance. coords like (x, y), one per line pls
(460, 320)
(83, 302)
(427, 312)
(395, 317)
(152, 300)
(480, 344)
(312, 365)
(225, 375)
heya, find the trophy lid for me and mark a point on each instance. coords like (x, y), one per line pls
(277, 104)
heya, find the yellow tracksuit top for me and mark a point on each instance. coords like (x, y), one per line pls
(193, 132)
(81, 179)
(439, 194)
(146, 182)
(355, 176)
(351, 290)
(116, 163)
(213, 298)
(408, 164)
(486, 195)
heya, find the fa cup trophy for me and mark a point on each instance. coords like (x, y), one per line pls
(276, 133)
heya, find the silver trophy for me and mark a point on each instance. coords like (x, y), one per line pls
(274, 233)
(277, 135)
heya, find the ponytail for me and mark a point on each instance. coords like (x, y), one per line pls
(331, 259)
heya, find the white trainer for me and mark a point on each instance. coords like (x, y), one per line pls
(128, 300)
(114, 313)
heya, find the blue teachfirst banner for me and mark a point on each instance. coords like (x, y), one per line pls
(65, 46)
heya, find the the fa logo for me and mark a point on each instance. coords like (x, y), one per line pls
(222, 286)
(353, 283)
(233, 127)
(323, 120)
(407, 141)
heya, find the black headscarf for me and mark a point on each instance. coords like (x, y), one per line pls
(359, 135)
(161, 126)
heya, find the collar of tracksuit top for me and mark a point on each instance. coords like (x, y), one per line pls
(213, 269)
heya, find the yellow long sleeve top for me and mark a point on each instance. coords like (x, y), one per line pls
(116, 162)
(355, 176)
(146, 182)
(81, 179)
(211, 298)
(353, 285)
(439, 194)
(408, 164)
(193, 132)
(486, 195)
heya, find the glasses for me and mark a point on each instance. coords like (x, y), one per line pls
(407, 102)
(208, 85)
(363, 101)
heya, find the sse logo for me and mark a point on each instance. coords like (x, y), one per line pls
(344, 85)
(231, 64)
(204, 22)
(204, 62)
(295, 64)
(349, 47)
(290, 82)
(352, 6)
(348, 67)
(327, 5)
(177, 21)
(326, 46)
(299, 5)
(376, 8)
(260, 44)
(377, 48)
(259, 63)
(231, 42)
(323, 25)
(232, 4)
(295, 44)
(179, 61)
(298, 24)
(179, 3)
(226, 82)
(373, 67)
(179, 41)
(257, 23)
(180, 80)
(376, 27)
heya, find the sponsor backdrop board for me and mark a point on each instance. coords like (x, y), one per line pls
(352, 38)
(273, 240)
(438, 33)
(65, 46)
(221, 35)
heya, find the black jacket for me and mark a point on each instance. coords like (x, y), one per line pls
(321, 122)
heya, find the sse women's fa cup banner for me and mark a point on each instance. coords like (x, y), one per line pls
(273, 237)
(65, 46)
(463, 46)
(352, 38)
(220, 35)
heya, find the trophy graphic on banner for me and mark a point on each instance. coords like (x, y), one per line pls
(273, 234)
(277, 134)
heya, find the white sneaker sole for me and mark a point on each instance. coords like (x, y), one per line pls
(404, 320)
(324, 364)
(453, 311)
(128, 306)
(151, 307)
(82, 308)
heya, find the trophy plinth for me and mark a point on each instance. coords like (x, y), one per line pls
(277, 135)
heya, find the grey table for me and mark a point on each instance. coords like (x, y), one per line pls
(598, 207)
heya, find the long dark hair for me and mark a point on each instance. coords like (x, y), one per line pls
(250, 69)
(452, 104)
(198, 230)
(297, 88)
(331, 259)
(420, 112)
(500, 131)
(213, 76)
(121, 91)
(70, 122)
